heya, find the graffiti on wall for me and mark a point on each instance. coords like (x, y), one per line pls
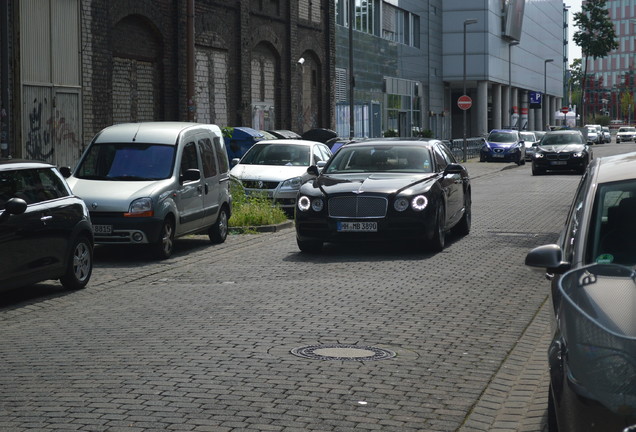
(50, 131)
(38, 142)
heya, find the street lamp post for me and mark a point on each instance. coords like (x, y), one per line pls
(510, 81)
(546, 116)
(466, 23)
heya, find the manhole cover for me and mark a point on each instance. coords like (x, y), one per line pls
(343, 352)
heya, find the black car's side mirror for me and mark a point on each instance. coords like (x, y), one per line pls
(453, 168)
(313, 170)
(190, 175)
(14, 206)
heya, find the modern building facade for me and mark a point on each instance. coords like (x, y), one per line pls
(610, 90)
(76, 66)
(405, 82)
(514, 55)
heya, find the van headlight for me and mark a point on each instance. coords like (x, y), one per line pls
(141, 207)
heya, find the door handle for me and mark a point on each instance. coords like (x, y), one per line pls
(45, 219)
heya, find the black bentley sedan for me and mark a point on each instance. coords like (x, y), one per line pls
(45, 231)
(385, 189)
(562, 150)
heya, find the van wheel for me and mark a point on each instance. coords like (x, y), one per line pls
(80, 265)
(218, 231)
(164, 245)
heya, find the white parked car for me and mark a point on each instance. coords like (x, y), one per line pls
(626, 133)
(594, 134)
(278, 168)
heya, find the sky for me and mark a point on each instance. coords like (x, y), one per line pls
(574, 49)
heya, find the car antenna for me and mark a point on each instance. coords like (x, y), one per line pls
(134, 138)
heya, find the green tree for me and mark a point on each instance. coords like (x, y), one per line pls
(627, 104)
(596, 35)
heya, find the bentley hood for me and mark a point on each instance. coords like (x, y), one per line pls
(382, 183)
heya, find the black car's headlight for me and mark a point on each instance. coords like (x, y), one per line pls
(417, 203)
(538, 155)
(305, 203)
(578, 155)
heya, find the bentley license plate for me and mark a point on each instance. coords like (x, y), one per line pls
(103, 229)
(357, 226)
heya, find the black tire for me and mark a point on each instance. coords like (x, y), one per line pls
(218, 232)
(164, 245)
(80, 265)
(438, 238)
(463, 226)
(309, 246)
(551, 421)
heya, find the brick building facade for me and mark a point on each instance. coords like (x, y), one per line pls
(83, 65)
(246, 63)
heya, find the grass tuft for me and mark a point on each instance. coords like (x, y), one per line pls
(252, 210)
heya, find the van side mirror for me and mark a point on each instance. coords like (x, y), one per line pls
(65, 171)
(190, 175)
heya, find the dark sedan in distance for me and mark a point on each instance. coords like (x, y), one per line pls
(385, 189)
(562, 150)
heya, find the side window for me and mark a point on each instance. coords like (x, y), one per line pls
(440, 160)
(207, 157)
(448, 154)
(189, 158)
(52, 185)
(326, 153)
(318, 156)
(573, 220)
(224, 164)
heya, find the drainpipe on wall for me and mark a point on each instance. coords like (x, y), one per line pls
(190, 60)
(4, 79)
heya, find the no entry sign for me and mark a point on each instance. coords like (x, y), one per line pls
(464, 102)
(565, 110)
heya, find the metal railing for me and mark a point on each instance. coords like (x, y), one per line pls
(473, 146)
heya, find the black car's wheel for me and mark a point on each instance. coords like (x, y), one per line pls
(309, 246)
(551, 421)
(218, 231)
(80, 265)
(438, 239)
(463, 226)
(164, 245)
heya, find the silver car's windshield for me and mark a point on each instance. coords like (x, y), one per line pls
(277, 154)
(612, 230)
(127, 162)
(414, 159)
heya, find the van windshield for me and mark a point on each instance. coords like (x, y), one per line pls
(127, 162)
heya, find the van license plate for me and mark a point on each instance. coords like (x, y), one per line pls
(103, 229)
(357, 226)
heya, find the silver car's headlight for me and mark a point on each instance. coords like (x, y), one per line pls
(292, 184)
(140, 207)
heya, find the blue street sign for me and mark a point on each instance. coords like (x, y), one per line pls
(535, 99)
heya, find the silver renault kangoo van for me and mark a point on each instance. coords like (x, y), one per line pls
(149, 183)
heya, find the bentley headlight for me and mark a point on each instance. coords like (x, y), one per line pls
(401, 204)
(317, 204)
(141, 207)
(304, 203)
(291, 184)
(419, 203)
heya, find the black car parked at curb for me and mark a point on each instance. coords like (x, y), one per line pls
(45, 231)
(385, 189)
